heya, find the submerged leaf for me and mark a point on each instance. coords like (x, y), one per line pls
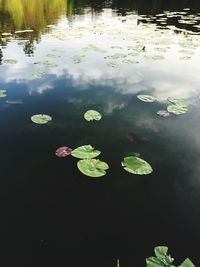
(136, 165)
(146, 98)
(177, 109)
(14, 101)
(91, 115)
(85, 152)
(63, 151)
(92, 167)
(41, 118)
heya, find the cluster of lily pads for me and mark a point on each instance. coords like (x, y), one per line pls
(177, 105)
(88, 164)
(91, 166)
(163, 259)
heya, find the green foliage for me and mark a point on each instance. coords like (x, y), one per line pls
(91, 115)
(41, 118)
(136, 165)
(92, 167)
(85, 152)
(2, 93)
(146, 98)
(162, 259)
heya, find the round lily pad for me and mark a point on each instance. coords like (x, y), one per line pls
(41, 118)
(85, 152)
(10, 61)
(38, 73)
(163, 113)
(91, 115)
(63, 151)
(136, 165)
(177, 109)
(146, 98)
(92, 167)
(2, 93)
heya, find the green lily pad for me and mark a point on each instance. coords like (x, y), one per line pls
(85, 152)
(2, 93)
(136, 165)
(41, 118)
(92, 167)
(14, 101)
(10, 61)
(53, 55)
(177, 109)
(38, 73)
(177, 101)
(146, 98)
(187, 263)
(91, 115)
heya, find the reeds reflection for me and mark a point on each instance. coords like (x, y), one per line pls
(26, 14)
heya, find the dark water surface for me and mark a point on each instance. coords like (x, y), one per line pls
(102, 55)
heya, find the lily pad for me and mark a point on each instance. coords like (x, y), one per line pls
(14, 101)
(91, 115)
(146, 98)
(177, 109)
(63, 151)
(163, 113)
(2, 93)
(187, 263)
(10, 61)
(85, 152)
(136, 165)
(93, 167)
(41, 118)
(38, 73)
(177, 101)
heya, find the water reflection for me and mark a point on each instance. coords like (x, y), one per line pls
(99, 60)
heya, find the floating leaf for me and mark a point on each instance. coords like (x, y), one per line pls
(10, 61)
(177, 109)
(53, 55)
(85, 152)
(91, 115)
(187, 263)
(146, 98)
(2, 93)
(163, 113)
(14, 101)
(177, 101)
(136, 165)
(92, 167)
(6, 34)
(160, 251)
(161, 259)
(41, 118)
(63, 151)
(38, 73)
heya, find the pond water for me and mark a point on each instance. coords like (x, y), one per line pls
(62, 58)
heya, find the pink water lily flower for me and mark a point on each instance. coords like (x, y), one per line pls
(63, 151)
